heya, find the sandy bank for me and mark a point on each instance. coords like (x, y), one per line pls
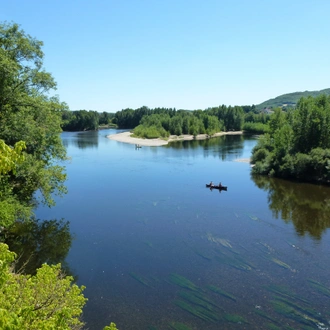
(126, 138)
(243, 160)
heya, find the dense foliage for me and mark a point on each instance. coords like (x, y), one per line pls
(10, 206)
(298, 143)
(256, 122)
(47, 300)
(231, 118)
(129, 118)
(83, 120)
(27, 114)
(162, 122)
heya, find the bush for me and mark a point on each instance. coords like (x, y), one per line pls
(257, 128)
(259, 155)
(47, 300)
(151, 132)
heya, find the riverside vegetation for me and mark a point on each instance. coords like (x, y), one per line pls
(298, 143)
(162, 122)
(30, 154)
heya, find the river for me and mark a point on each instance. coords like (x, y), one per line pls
(156, 249)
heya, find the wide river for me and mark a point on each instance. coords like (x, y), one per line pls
(156, 249)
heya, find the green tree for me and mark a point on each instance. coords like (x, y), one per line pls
(28, 114)
(231, 117)
(196, 126)
(176, 124)
(298, 144)
(10, 206)
(111, 327)
(211, 124)
(80, 120)
(277, 119)
(10, 157)
(311, 123)
(105, 118)
(47, 300)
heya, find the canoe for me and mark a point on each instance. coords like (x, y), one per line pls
(216, 187)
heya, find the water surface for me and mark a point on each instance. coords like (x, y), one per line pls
(156, 249)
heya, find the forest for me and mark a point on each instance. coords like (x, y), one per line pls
(84, 120)
(160, 122)
(297, 145)
(163, 122)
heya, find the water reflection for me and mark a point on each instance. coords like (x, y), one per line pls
(82, 140)
(37, 242)
(223, 147)
(306, 205)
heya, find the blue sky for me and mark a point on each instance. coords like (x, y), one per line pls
(111, 55)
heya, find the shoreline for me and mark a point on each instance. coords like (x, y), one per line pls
(126, 137)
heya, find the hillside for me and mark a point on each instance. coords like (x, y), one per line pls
(290, 100)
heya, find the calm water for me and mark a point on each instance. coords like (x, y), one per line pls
(158, 250)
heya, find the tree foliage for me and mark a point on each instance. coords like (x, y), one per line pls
(83, 120)
(10, 206)
(129, 118)
(47, 300)
(298, 143)
(255, 128)
(27, 114)
(10, 157)
(162, 122)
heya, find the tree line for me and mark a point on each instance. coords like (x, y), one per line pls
(162, 122)
(83, 120)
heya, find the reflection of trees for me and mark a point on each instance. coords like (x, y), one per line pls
(224, 147)
(306, 205)
(37, 242)
(83, 140)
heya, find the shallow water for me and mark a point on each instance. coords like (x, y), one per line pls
(156, 249)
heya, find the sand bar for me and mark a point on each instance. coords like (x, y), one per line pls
(127, 138)
(243, 160)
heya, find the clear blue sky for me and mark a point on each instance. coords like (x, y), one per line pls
(109, 55)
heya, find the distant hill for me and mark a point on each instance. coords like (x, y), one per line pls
(290, 100)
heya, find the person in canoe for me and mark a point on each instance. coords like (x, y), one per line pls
(220, 185)
(211, 184)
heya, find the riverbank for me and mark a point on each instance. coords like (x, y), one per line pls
(126, 137)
